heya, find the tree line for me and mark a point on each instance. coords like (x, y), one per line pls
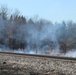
(16, 31)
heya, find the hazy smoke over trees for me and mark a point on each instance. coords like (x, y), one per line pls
(16, 32)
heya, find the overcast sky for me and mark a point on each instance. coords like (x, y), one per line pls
(54, 10)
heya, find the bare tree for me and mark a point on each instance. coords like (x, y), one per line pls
(4, 12)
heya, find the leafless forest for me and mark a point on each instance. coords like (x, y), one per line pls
(18, 32)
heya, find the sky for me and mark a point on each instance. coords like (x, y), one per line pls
(53, 10)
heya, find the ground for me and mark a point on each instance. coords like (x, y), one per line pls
(31, 65)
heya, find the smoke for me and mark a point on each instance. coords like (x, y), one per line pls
(40, 37)
(71, 53)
